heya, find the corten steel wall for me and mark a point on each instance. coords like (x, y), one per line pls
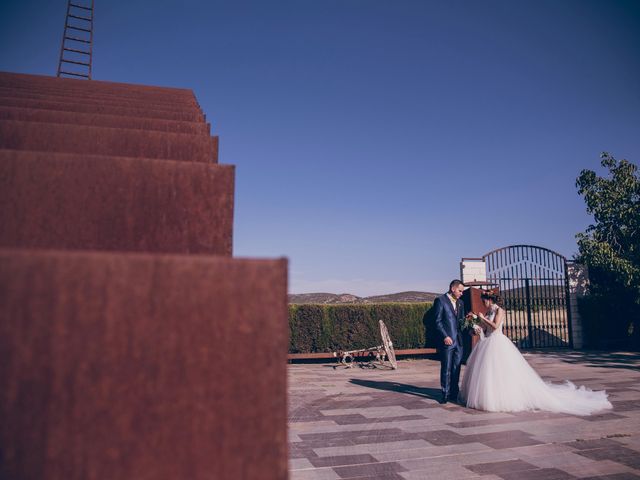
(116, 364)
(133, 111)
(33, 82)
(46, 93)
(121, 142)
(104, 203)
(134, 366)
(101, 120)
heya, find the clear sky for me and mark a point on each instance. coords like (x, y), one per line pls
(378, 142)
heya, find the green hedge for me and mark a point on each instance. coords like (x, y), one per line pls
(327, 328)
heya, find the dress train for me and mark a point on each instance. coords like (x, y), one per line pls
(497, 378)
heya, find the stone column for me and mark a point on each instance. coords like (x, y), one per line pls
(578, 279)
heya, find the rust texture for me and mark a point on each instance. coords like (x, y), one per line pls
(101, 120)
(58, 104)
(132, 345)
(105, 203)
(142, 366)
(121, 142)
(33, 82)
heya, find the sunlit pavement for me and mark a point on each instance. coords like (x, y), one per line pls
(378, 423)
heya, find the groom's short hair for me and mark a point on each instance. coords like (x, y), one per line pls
(455, 283)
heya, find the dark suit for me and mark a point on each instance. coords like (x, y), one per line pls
(447, 322)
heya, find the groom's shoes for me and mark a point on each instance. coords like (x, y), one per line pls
(444, 399)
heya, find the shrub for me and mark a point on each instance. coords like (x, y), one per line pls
(609, 323)
(327, 328)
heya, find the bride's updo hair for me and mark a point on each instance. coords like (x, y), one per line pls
(491, 295)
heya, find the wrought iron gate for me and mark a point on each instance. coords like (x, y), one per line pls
(534, 289)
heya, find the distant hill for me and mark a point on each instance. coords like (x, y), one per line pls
(536, 292)
(332, 298)
(407, 297)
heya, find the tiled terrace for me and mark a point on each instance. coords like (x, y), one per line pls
(377, 423)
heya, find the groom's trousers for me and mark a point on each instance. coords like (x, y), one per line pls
(450, 361)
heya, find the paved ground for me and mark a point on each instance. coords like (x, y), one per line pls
(384, 424)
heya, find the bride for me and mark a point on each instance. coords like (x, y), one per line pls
(497, 378)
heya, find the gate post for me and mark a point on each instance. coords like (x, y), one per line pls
(577, 285)
(473, 270)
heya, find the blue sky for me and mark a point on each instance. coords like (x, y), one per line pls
(378, 142)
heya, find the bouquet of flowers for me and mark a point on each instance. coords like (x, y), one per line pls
(471, 321)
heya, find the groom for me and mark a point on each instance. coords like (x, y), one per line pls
(449, 313)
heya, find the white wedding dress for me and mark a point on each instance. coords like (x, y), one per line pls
(497, 378)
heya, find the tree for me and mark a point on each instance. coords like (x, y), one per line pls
(610, 247)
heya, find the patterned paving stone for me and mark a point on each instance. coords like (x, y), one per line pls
(608, 449)
(374, 470)
(615, 476)
(448, 451)
(498, 468)
(567, 461)
(297, 452)
(616, 453)
(373, 449)
(484, 423)
(342, 460)
(423, 471)
(602, 468)
(602, 417)
(378, 424)
(593, 444)
(300, 464)
(379, 476)
(625, 383)
(317, 474)
(626, 405)
(355, 419)
(445, 437)
(539, 474)
(505, 439)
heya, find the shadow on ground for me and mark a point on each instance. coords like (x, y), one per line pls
(424, 392)
(594, 358)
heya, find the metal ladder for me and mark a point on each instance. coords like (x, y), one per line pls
(76, 50)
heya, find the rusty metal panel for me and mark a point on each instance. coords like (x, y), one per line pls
(102, 203)
(102, 108)
(123, 366)
(31, 82)
(86, 98)
(120, 142)
(101, 120)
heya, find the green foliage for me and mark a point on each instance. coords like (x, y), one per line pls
(610, 247)
(327, 328)
(606, 324)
